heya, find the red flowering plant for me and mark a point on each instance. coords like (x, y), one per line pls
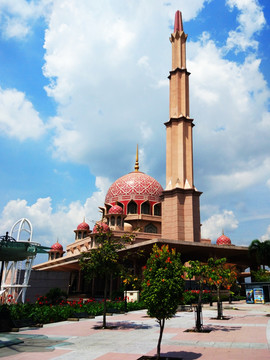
(163, 286)
(220, 274)
(198, 271)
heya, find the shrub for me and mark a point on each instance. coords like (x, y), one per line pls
(46, 313)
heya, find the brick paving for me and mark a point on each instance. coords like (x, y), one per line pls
(244, 335)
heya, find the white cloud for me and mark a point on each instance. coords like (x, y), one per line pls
(49, 224)
(104, 64)
(16, 17)
(251, 20)
(18, 118)
(144, 61)
(266, 236)
(229, 102)
(240, 180)
(212, 227)
(14, 28)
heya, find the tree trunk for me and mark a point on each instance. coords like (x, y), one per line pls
(219, 305)
(211, 296)
(161, 328)
(105, 302)
(199, 311)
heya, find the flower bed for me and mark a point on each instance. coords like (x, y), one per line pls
(41, 312)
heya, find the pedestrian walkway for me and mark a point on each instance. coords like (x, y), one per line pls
(245, 334)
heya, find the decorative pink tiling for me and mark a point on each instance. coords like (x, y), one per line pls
(223, 334)
(204, 353)
(118, 356)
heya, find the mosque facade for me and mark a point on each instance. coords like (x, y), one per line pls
(137, 204)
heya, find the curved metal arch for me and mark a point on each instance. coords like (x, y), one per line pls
(22, 222)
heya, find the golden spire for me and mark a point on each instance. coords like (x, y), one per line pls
(137, 160)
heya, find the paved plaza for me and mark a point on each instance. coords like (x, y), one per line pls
(245, 334)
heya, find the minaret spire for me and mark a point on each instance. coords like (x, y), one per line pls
(180, 207)
(136, 167)
(179, 154)
(178, 24)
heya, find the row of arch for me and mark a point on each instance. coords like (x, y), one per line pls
(132, 208)
(113, 220)
(82, 234)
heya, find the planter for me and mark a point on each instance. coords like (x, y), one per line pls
(132, 295)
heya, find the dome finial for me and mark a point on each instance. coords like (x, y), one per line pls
(137, 160)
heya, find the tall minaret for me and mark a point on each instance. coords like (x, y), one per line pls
(181, 205)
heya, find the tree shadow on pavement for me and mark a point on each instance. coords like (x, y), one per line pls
(185, 355)
(121, 325)
(223, 328)
(36, 343)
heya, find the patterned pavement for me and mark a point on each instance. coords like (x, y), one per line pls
(244, 335)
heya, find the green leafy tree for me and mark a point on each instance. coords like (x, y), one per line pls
(220, 274)
(163, 286)
(103, 261)
(200, 271)
(260, 275)
(260, 250)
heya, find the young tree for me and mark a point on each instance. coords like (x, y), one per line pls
(200, 272)
(163, 286)
(220, 274)
(103, 261)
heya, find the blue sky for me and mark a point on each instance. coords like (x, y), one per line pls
(81, 83)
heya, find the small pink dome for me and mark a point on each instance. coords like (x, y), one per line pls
(116, 209)
(101, 226)
(224, 240)
(57, 247)
(83, 226)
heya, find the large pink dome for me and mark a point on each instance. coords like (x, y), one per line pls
(134, 186)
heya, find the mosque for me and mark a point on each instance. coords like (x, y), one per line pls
(136, 203)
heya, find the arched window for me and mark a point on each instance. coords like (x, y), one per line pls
(79, 235)
(118, 220)
(132, 207)
(145, 208)
(112, 220)
(120, 204)
(150, 228)
(157, 210)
